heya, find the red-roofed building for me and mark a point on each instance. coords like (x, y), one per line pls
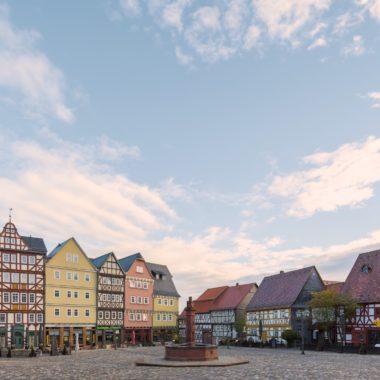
(217, 310)
(363, 283)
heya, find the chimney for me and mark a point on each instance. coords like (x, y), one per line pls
(237, 284)
(282, 272)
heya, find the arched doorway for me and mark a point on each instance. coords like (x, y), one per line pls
(19, 340)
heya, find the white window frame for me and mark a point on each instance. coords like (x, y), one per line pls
(69, 257)
(57, 293)
(76, 294)
(87, 277)
(6, 258)
(76, 313)
(40, 318)
(75, 259)
(146, 300)
(107, 315)
(57, 275)
(87, 295)
(6, 297)
(32, 260)
(87, 312)
(145, 285)
(32, 298)
(139, 269)
(32, 318)
(131, 316)
(100, 314)
(69, 276)
(24, 259)
(69, 294)
(18, 318)
(57, 312)
(24, 298)
(132, 283)
(120, 315)
(113, 315)
(75, 276)
(15, 297)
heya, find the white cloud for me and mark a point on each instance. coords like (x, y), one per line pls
(115, 150)
(172, 13)
(319, 42)
(356, 47)
(183, 59)
(252, 36)
(344, 177)
(28, 75)
(375, 98)
(130, 7)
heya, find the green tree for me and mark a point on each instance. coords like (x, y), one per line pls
(290, 336)
(330, 308)
(240, 325)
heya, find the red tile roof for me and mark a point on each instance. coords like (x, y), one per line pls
(334, 285)
(361, 284)
(211, 294)
(280, 290)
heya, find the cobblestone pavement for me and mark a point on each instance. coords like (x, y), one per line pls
(264, 364)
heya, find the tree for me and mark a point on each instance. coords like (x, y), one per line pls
(290, 336)
(240, 324)
(330, 308)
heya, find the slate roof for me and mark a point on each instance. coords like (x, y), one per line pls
(280, 290)
(365, 287)
(222, 298)
(99, 261)
(127, 262)
(34, 244)
(164, 286)
(58, 248)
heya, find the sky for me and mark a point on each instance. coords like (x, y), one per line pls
(228, 140)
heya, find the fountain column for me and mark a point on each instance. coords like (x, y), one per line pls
(190, 322)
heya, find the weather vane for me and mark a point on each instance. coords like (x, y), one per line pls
(10, 215)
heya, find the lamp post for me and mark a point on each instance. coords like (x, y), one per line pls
(305, 313)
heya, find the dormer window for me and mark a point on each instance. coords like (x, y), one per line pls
(366, 268)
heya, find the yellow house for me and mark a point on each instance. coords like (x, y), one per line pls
(71, 285)
(165, 304)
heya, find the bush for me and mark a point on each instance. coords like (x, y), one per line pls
(290, 336)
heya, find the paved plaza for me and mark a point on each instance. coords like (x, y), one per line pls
(264, 364)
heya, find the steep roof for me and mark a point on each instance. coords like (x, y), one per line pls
(127, 262)
(335, 286)
(280, 290)
(164, 285)
(363, 282)
(34, 244)
(99, 261)
(58, 248)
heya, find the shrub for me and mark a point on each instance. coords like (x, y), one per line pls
(290, 336)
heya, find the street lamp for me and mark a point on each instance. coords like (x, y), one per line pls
(304, 313)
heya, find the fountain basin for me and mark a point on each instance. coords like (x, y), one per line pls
(191, 352)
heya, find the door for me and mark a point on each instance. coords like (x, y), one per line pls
(373, 337)
(19, 340)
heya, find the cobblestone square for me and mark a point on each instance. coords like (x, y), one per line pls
(264, 364)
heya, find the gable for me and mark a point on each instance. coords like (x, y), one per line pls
(139, 269)
(10, 238)
(111, 266)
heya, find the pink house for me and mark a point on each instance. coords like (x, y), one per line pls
(138, 300)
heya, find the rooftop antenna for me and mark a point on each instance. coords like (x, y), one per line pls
(10, 215)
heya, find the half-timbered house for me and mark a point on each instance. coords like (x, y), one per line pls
(165, 303)
(138, 300)
(363, 284)
(71, 286)
(274, 307)
(22, 275)
(218, 310)
(110, 300)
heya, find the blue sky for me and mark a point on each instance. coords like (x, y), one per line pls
(227, 139)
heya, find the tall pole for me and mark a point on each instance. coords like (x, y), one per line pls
(303, 333)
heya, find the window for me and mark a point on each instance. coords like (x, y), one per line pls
(139, 284)
(57, 275)
(40, 318)
(24, 298)
(24, 259)
(113, 297)
(15, 278)
(145, 285)
(56, 312)
(87, 312)
(68, 257)
(159, 301)
(75, 294)
(75, 275)
(107, 315)
(6, 297)
(56, 293)
(171, 302)
(146, 300)
(32, 278)
(13, 258)
(138, 315)
(32, 318)
(6, 257)
(164, 317)
(132, 284)
(14, 297)
(100, 315)
(68, 294)
(120, 315)
(18, 318)
(131, 317)
(68, 275)
(75, 258)
(108, 297)
(133, 299)
(2, 318)
(113, 315)
(87, 295)
(139, 269)
(144, 317)
(366, 268)
(24, 278)
(68, 312)
(139, 300)
(32, 260)
(32, 298)
(158, 317)
(165, 302)
(87, 277)
(170, 317)
(76, 312)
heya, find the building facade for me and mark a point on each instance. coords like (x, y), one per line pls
(138, 300)
(22, 275)
(218, 311)
(273, 309)
(363, 284)
(110, 300)
(71, 287)
(165, 304)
